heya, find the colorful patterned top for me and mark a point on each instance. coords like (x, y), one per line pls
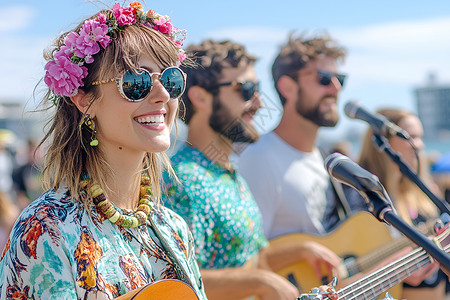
(219, 208)
(57, 251)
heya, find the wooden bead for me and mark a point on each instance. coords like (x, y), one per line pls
(112, 214)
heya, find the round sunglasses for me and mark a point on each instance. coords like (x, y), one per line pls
(248, 88)
(135, 85)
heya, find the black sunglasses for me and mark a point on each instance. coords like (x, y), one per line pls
(248, 88)
(135, 85)
(325, 77)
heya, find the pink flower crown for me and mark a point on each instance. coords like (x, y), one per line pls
(65, 74)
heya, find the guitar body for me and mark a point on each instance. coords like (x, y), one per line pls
(167, 289)
(356, 237)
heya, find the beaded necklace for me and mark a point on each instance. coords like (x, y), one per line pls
(138, 218)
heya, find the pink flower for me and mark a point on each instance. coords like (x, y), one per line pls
(70, 46)
(64, 77)
(101, 18)
(92, 33)
(124, 16)
(63, 52)
(181, 56)
(162, 25)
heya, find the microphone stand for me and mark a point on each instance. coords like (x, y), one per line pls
(381, 208)
(383, 144)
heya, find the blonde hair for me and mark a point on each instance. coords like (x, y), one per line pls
(69, 155)
(8, 211)
(405, 194)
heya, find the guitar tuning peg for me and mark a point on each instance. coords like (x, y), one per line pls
(441, 224)
(438, 225)
(333, 282)
(311, 296)
(445, 218)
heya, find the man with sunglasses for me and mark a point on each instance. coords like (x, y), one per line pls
(285, 169)
(220, 101)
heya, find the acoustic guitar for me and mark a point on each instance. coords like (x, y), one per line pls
(166, 289)
(361, 241)
(388, 276)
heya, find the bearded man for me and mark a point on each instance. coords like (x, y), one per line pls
(221, 98)
(285, 169)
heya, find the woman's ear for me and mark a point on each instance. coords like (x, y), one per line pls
(82, 101)
(200, 98)
(287, 87)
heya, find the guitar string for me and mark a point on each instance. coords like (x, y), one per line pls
(415, 252)
(385, 283)
(365, 286)
(370, 260)
(406, 264)
(405, 267)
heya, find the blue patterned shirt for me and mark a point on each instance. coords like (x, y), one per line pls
(219, 209)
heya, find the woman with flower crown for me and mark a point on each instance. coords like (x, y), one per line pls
(99, 231)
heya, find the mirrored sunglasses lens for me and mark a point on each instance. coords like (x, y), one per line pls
(324, 78)
(341, 79)
(249, 89)
(136, 86)
(173, 81)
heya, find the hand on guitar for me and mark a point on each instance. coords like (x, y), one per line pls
(319, 256)
(420, 275)
(276, 287)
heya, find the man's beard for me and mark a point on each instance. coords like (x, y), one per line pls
(322, 119)
(233, 128)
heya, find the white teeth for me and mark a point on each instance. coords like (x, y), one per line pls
(151, 119)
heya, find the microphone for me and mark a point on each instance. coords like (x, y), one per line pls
(379, 123)
(344, 170)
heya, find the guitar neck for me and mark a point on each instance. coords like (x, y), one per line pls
(376, 283)
(370, 260)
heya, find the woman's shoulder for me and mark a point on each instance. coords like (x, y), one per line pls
(53, 201)
(51, 213)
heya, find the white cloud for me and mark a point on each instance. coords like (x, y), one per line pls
(385, 61)
(22, 66)
(16, 17)
(399, 52)
(397, 36)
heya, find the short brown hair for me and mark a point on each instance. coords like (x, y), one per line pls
(210, 58)
(299, 51)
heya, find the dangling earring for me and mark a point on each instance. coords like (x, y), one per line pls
(90, 125)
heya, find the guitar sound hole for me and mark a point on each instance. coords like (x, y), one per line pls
(292, 280)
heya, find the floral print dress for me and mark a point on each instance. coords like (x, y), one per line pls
(60, 250)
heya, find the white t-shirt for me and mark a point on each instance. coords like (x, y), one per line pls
(289, 186)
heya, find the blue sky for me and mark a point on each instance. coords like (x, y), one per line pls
(392, 45)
